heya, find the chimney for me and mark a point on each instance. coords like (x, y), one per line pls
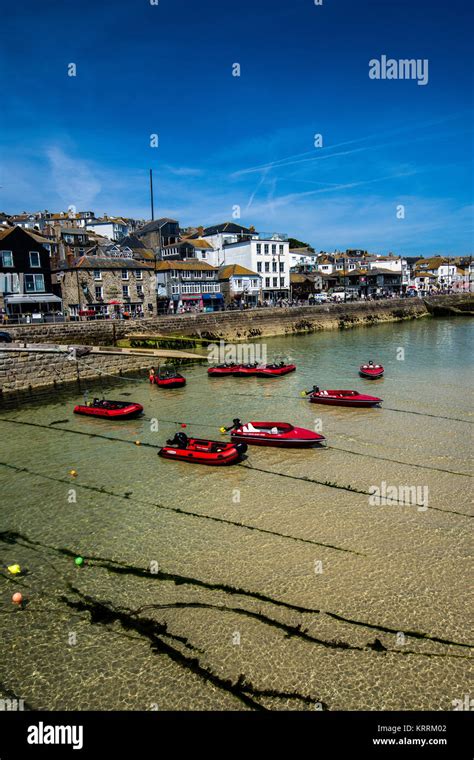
(200, 231)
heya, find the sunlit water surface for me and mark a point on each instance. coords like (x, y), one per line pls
(244, 587)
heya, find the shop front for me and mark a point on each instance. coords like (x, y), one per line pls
(191, 301)
(33, 307)
(212, 301)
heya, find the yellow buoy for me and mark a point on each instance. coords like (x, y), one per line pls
(137, 443)
(73, 473)
(303, 393)
(222, 430)
(14, 569)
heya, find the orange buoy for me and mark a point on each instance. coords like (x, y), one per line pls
(17, 598)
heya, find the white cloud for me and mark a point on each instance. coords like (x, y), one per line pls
(73, 180)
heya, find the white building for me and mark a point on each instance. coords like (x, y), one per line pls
(268, 254)
(240, 285)
(114, 229)
(393, 264)
(303, 257)
(446, 275)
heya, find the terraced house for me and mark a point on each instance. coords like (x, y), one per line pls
(187, 285)
(25, 277)
(107, 286)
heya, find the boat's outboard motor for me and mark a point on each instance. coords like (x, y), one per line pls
(241, 448)
(180, 440)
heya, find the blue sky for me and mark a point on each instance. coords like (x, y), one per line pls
(245, 141)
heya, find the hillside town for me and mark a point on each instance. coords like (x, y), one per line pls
(77, 266)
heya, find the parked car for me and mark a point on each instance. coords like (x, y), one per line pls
(5, 337)
(320, 297)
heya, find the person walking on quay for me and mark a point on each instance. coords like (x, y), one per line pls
(151, 375)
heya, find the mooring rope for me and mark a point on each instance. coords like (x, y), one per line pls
(210, 425)
(328, 484)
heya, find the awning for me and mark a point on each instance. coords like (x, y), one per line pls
(32, 298)
(209, 296)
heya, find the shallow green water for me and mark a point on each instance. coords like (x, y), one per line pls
(195, 577)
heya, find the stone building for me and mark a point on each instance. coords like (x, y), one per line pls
(107, 286)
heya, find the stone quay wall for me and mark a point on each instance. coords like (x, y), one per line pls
(231, 325)
(28, 371)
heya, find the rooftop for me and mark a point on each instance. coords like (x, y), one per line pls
(192, 264)
(104, 262)
(235, 270)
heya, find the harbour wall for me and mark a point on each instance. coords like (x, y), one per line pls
(242, 325)
(29, 372)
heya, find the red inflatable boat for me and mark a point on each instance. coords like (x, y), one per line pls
(198, 451)
(343, 398)
(263, 370)
(274, 434)
(109, 409)
(371, 371)
(169, 379)
(223, 370)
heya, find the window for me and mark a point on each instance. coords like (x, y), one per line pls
(7, 258)
(139, 274)
(254, 283)
(196, 288)
(139, 290)
(124, 274)
(34, 283)
(35, 259)
(210, 287)
(267, 282)
(266, 248)
(267, 266)
(274, 266)
(282, 282)
(99, 292)
(259, 248)
(282, 266)
(274, 249)
(238, 284)
(186, 273)
(175, 289)
(275, 282)
(125, 291)
(281, 248)
(210, 275)
(259, 266)
(97, 274)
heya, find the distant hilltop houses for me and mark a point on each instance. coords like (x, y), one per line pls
(76, 265)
